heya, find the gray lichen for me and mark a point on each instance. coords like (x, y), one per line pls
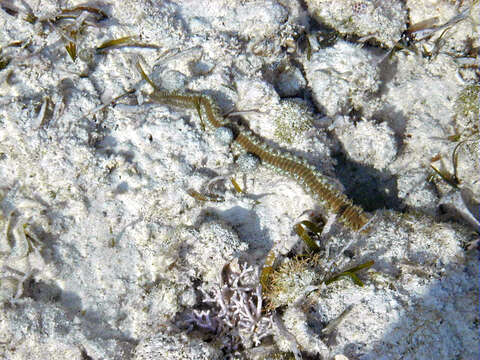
(295, 119)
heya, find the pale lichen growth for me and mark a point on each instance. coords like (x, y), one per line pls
(467, 107)
(294, 120)
(292, 280)
(210, 247)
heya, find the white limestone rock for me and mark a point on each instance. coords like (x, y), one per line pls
(175, 347)
(342, 77)
(368, 143)
(382, 21)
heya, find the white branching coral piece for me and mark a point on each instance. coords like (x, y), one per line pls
(237, 307)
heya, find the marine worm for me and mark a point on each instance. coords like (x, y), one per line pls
(352, 216)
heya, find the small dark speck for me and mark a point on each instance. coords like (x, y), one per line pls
(122, 188)
(150, 137)
(9, 11)
(85, 356)
(476, 322)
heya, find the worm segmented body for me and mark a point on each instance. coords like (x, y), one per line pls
(287, 163)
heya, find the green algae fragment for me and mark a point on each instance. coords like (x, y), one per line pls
(71, 48)
(351, 273)
(145, 76)
(204, 197)
(237, 187)
(301, 230)
(126, 41)
(4, 63)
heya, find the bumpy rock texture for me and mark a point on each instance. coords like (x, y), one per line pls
(382, 21)
(119, 216)
(342, 77)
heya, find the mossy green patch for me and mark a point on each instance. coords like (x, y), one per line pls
(280, 356)
(294, 121)
(467, 103)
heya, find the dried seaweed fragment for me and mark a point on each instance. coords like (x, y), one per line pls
(452, 179)
(267, 270)
(71, 48)
(351, 273)
(11, 9)
(126, 41)
(446, 176)
(237, 187)
(145, 76)
(301, 230)
(110, 103)
(427, 28)
(74, 12)
(204, 197)
(4, 62)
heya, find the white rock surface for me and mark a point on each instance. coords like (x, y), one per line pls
(175, 347)
(368, 143)
(342, 77)
(103, 248)
(421, 284)
(381, 21)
